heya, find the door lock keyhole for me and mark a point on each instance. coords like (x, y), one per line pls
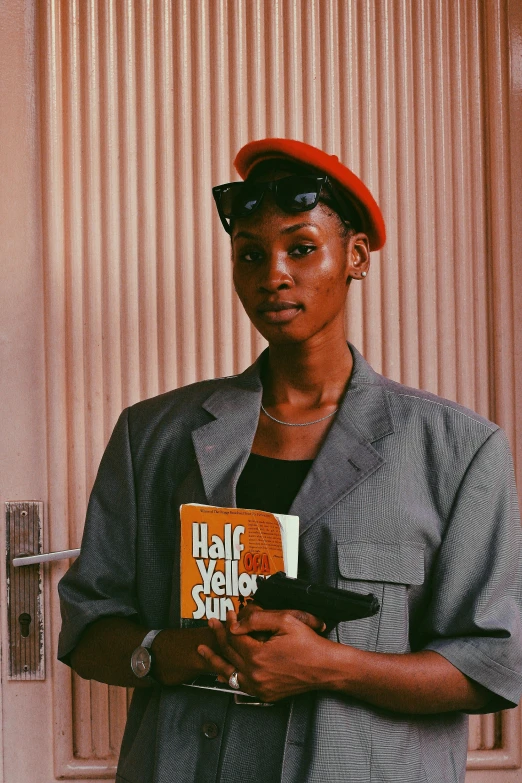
(25, 622)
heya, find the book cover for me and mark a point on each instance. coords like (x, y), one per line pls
(224, 551)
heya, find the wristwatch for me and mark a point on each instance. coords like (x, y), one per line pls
(142, 658)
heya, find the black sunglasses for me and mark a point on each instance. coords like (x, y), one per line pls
(296, 193)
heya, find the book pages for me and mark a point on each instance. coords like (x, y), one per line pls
(290, 537)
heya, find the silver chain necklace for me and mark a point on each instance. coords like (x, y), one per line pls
(296, 424)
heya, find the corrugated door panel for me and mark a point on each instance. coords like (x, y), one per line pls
(143, 106)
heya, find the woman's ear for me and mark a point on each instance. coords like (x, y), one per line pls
(358, 257)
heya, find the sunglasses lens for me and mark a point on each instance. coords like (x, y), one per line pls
(239, 199)
(298, 194)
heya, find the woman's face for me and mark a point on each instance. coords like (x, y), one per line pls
(292, 271)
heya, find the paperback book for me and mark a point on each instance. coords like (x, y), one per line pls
(224, 551)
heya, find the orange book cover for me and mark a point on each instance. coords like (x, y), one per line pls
(223, 550)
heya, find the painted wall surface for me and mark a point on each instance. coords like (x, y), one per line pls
(118, 116)
(26, 731)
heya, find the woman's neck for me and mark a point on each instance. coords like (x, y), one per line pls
(307, 375)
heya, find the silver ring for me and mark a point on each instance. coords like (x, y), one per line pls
(233, 681)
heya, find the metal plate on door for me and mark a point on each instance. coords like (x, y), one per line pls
(24, 591)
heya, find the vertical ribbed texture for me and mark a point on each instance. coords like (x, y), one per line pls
(143, 107)
(501, 272)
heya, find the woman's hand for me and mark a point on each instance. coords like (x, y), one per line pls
(267, 666)
(304, 617)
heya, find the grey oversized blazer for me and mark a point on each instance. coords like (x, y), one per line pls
(411, 497)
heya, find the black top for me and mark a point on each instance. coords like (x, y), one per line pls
(270, 484)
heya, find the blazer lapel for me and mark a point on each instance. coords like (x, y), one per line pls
(347, 457)
(222, 446)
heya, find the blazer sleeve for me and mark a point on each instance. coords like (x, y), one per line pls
(101, 581)
(474, 616)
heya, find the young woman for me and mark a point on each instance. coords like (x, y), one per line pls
(399, 493)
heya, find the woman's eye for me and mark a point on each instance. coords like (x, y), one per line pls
(252, 256)
(302, 250)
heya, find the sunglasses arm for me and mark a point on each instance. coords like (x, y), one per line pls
(223, 219)
(226, 225)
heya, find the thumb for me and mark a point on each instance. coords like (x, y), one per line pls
(313, 622)
(272, 622)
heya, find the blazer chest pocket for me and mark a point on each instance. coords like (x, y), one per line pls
(387, 571)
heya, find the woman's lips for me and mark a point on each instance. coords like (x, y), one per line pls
(278, 312)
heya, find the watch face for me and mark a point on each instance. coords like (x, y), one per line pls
(141, 662)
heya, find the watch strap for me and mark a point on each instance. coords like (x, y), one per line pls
(147, 642)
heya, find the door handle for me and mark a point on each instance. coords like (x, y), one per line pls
(47, 557)
(25, 594)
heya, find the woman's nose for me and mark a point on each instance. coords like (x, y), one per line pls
(275, 274)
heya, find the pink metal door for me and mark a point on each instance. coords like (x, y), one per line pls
(117, 117)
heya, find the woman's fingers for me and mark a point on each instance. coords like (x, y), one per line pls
(216, 663)
(264, 620)
(226, 650)
(313, 622)
(247, 609)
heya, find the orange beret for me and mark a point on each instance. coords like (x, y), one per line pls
(372, 222)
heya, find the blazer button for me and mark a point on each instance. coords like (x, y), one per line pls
(210, 730)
